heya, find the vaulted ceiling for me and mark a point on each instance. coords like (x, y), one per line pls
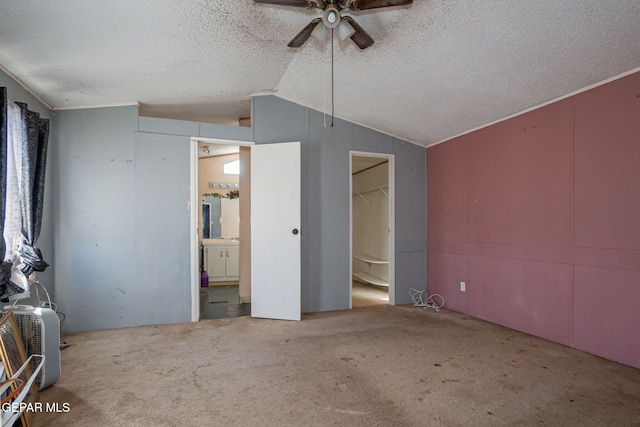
(437, 68)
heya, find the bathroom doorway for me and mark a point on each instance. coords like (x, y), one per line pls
(222, 193)
(372, 230)
(269, 257)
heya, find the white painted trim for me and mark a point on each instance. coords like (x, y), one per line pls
(350, 229)
(193, 215)
(193, 227)
(90, 106)
(220, 141)
(392, 229)
(560, 98)
(25, 87)
(267, 93)
(392, 224)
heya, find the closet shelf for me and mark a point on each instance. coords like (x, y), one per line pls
(369, 278)
(361, 193)
(373, 190)
(370, 259)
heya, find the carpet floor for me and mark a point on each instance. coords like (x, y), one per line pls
(371, 366)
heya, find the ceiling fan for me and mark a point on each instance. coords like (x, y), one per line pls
(332, 18)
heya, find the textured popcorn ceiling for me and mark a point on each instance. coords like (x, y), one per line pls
(437, 68)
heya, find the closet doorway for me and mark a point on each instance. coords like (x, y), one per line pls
(372, 229)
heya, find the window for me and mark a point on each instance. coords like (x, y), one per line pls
(231, 168)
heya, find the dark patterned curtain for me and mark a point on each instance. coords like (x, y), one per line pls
(30, 160)
(31, 168)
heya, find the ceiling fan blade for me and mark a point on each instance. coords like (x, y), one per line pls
(374, 4)
(304, 35)
(296, 3)
(360, 37)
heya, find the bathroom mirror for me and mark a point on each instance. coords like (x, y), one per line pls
(219, 188)
(220, 218)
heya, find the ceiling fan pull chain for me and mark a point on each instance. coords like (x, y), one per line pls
(324, 81)
(332, 100)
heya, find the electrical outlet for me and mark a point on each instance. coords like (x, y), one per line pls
(463, 287)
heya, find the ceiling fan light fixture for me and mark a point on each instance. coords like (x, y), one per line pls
(345, 30)
(331, 17)
(320, 32)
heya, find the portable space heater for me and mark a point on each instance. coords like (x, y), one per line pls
(40, 333)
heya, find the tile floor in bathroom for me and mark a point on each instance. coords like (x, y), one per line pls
(221, 302)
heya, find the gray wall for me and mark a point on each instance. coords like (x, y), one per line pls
(325, 199)
(17, 93)
(122, 218)
(122, 178)
(94, 217)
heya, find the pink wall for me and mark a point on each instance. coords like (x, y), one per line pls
(540, 216)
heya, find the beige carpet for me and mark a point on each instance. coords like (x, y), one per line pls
(371, 366)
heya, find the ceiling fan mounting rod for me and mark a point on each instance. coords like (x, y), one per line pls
(336, 3)
(346, 4)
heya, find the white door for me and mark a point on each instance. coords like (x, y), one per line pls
(275, 231)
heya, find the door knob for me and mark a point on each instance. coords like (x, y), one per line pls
(294, 231)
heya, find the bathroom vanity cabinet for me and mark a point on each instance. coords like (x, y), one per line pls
(222, 259)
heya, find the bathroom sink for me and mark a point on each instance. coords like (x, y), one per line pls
(220, 241)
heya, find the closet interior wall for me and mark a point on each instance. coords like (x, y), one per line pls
(371, 222)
